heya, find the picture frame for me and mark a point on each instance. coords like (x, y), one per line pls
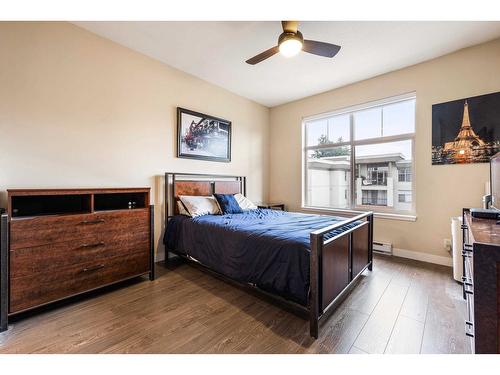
(466, 130)
(203, 137)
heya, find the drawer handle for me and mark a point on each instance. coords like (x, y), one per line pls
(469, 328)
(467, 290)
(93, 268)
(90, 222)
(88, 246)
(467, 281)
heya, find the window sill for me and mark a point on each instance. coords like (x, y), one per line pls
(380, 215)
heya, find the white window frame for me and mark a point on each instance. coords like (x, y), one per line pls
(352, 143)
(405, 174)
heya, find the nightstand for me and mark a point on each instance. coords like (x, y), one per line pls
(272, 206)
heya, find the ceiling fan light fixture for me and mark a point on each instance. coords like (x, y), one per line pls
(291, 42)
(290, 47)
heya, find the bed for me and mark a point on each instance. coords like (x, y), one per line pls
(307, 263)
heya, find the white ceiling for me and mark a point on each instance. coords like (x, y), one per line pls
(216, 51)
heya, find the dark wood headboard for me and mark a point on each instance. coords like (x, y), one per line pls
(177, 184)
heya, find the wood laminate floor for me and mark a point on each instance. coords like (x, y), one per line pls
(403, 306)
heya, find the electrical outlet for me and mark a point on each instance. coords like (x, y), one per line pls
(447, 244)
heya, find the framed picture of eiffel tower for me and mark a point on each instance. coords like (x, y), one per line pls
(466, 130)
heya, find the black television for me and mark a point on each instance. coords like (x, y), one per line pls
(495, 181)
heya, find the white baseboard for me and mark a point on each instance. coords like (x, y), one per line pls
(423, 257)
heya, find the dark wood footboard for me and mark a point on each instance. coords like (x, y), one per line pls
(336, 263)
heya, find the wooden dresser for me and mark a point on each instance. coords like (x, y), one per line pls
(481, 283)
(66, 242)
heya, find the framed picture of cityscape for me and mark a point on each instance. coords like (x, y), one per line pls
(203, 137)
(466, 130)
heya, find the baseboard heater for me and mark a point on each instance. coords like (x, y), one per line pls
(382, 247)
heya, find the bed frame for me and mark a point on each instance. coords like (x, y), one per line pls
(336, 262)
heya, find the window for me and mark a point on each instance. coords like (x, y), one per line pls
(376, 174)
(404, 196)
(374, 197)
(404, 174)
(361, 157)
(329, 176)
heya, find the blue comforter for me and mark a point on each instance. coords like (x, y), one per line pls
(267, 248)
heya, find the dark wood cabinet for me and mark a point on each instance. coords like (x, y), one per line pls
(66, 242)
(481, 283)
(4, 270)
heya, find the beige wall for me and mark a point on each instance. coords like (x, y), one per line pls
(441, 191)
(77, 110)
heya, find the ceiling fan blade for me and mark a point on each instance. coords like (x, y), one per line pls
(263, 55)
(290, 26)
(320, 48)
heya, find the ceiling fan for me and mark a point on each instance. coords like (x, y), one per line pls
(291, 42)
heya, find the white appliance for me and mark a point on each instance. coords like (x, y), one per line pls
(456, 248)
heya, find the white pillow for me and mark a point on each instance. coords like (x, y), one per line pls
(244, 202)
(198, 205)
(181, 209)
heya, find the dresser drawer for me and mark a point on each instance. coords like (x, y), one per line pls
(39, 289)
(54, 257)
(38, 231)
